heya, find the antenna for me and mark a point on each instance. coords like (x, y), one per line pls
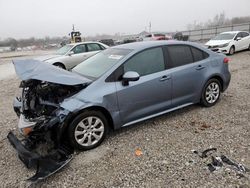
(73, 27)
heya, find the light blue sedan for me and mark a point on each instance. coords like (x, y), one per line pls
(115, 88)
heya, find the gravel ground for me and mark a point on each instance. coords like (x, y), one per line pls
(166, 143)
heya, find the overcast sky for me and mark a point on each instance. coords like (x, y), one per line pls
(39, 18)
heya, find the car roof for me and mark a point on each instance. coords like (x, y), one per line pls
(148, 44)
(86, 42)
(233, 32)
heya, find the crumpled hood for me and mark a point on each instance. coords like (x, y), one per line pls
(217, 42)
(47, 57)
(38, 70)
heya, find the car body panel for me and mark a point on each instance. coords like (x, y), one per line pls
(38, 70)
(193, 84)
(138, 99)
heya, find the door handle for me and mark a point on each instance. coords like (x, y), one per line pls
(165, 77)
(199, 67)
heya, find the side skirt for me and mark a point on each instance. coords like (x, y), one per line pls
(157, 114)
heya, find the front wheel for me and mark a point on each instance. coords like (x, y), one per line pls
(87, 130)
(211, 93)
(231, 50)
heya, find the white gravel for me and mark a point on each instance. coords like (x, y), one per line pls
(166, 142)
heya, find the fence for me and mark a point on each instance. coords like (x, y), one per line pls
(206, 34)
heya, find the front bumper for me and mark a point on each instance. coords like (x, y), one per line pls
(224, 50)
(46, 165)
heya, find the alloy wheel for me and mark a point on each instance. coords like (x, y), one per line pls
(89, 131)
(212, 92)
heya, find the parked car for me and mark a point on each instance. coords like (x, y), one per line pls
(115, 88)
(180, 36)
(72, 54)
(230, 42)
(155, 36)
(109, 42)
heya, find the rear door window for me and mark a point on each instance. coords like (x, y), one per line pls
(93, 47)
(179, 55)
(198, 54)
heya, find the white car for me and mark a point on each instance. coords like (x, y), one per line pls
(230, 42)
(71, 55)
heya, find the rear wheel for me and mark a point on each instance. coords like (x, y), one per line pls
(231, 50)
(88, 130)
(211, 93)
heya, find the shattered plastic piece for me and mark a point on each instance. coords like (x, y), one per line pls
(216, 161)
(138, 152)
(211, 168)
(46, 165)
(195, 152)
(205, 153)
(239, 166)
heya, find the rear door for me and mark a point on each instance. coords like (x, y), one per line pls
(151, 93)
(188, 67)
(92, 49)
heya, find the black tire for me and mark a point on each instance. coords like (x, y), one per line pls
(74, 127)
(231, 50)
(205, 97)
(60, 65)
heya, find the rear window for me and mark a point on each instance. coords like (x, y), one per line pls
(198, 54)
(180, 55)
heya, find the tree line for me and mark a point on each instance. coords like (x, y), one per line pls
(218, 20)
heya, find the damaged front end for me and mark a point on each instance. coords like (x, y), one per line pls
(42, 122)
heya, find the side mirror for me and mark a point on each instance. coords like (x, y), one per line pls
(130, 76)
(70, 53)
(238, 38)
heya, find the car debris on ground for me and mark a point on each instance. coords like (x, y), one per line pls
(220, 160)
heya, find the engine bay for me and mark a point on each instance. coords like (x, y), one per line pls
(41, 98)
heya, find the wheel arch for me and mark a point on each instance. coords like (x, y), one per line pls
(95, 108)
(59, 63)
(215, 76)
(233, 45)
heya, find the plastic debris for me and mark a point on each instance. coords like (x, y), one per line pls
(217, 162)
(238, 166)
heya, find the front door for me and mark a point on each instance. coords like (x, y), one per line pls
(79, 54)
(149, 95)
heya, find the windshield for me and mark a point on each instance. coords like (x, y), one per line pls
(98, 64)
(63, 50)
(224, 36)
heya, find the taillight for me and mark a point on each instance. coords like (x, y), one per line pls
(225, 60)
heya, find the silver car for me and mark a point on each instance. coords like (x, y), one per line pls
(71, 55)
(115, 88)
